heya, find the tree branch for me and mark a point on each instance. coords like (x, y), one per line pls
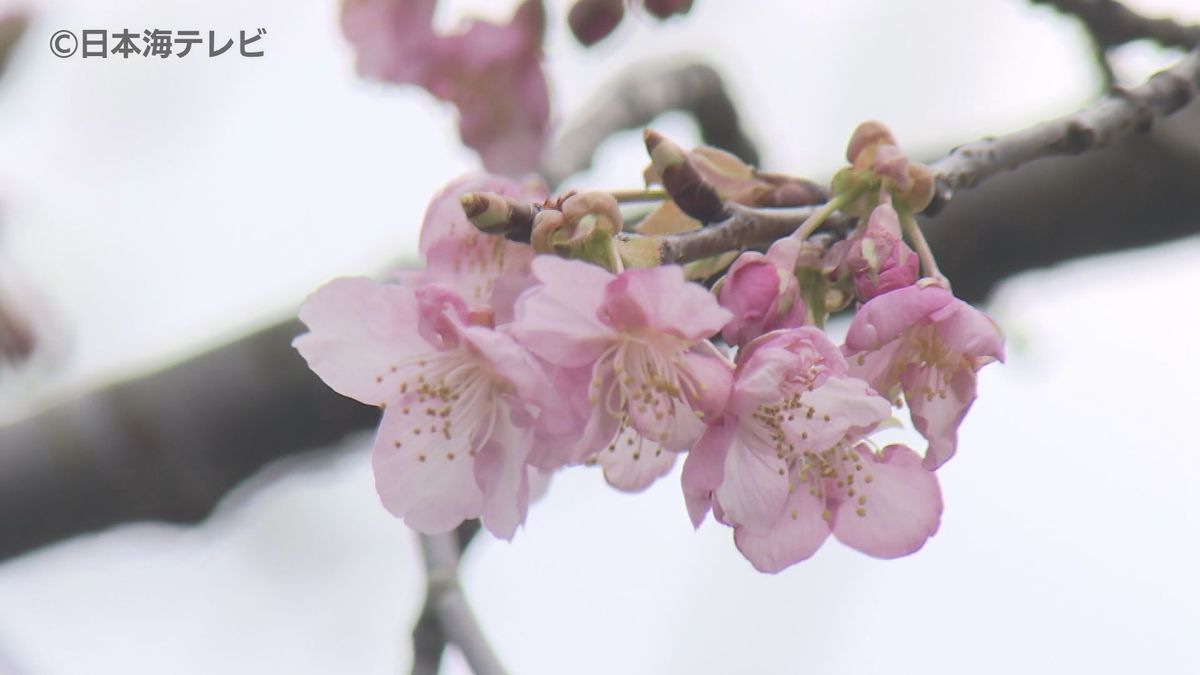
(1118, 114)
(640, 95)
(1097, 126)
(445, 601)
(1112, 24)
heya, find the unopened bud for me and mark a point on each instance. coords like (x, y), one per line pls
(496, 214)
(866, 135)
(693, 194)
(666, 8)
(921, 188)
(593, 20)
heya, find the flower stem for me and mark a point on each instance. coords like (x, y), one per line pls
(647, 195)
(814, 221)
(924, 253)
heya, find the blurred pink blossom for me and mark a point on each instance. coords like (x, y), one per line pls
(492, 73)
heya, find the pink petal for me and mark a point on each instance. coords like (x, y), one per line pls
(660, 298)
(426, 479)
(902, 505)
(968, 331)
(503, 476)
(393, 39)
(884, 318)
(843, 405)
(796, 534)
(756, 484)
(937, 418)
(359, 329)
(704, 469)
(714, 376)
(631, 463)
(558, 320)
(560, 426)
(510, 362)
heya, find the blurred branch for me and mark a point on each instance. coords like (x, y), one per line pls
(12, 26)
(428, 637)
(166, 446)
(1112, 24)
(642, 94)
(455, 620)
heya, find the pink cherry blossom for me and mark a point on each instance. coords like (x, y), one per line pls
(459, 400)
(631, 354)
(762, 292)
(785, 458)
(492, 73)
(925, 342)
(883, 504)
(488, 271)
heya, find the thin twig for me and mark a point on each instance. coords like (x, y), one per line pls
(1112, 24)
(444, 595)
(640, 95)
(1120, 114)
(429, 640)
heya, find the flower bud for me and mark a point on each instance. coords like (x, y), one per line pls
(583, 229)
(492, 213)
(593, 20)
(762, 292)
(689, 189)
(664, 9)
(867, 134)
(920, 191)
(877, 259)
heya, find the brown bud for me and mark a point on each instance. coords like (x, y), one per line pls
(693, 194)
(593, 20)
(784, 190)
(666, 8)
(866, 135)
(920, 192)
(496, 214)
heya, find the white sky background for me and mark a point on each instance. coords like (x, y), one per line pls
(165, 207)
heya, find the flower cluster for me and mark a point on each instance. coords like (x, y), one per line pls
(501, 362)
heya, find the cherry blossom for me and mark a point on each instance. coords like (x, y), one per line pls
(923, 341)
(785, 466)
(459, 400)
(487, 271)
(630, 352)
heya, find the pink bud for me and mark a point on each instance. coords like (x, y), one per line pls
(762, 292)
(878, 259)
